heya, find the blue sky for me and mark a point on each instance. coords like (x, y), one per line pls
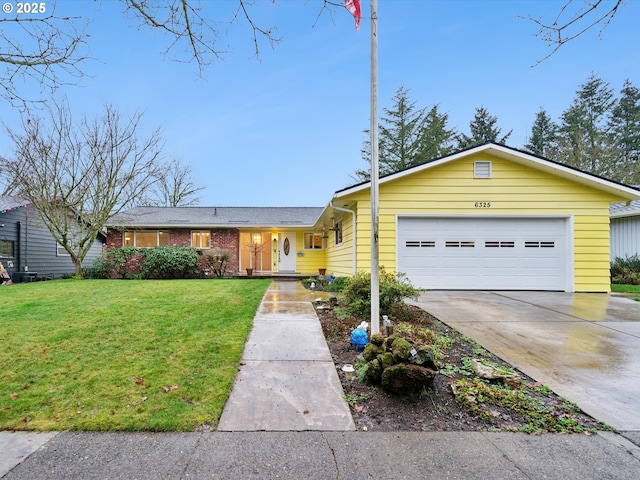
(287, 130)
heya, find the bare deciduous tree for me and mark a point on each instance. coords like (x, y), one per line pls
(175, 186)
(574, 19)
(76, 175)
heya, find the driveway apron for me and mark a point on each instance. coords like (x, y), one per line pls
(287, 379)
(585, 347)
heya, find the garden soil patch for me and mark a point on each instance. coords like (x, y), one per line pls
(437, 409)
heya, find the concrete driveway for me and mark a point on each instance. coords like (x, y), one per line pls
(586, 347)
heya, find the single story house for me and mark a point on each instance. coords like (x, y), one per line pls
(489, 217)
(28, 251)
(625, 230)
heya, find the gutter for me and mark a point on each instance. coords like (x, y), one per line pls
(353, 229)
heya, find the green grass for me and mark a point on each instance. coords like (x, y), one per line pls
(108, 355)
(626, 289)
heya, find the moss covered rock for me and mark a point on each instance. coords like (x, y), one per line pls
(424, 356)
(372, 373)
(401, 349)
(386, 359)
(407, 379)
(371, 351)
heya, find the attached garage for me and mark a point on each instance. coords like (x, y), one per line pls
(487, 218)
(471, 253)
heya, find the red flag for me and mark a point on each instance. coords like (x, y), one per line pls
(354, 7)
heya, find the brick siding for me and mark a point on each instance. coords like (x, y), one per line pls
(226, 238)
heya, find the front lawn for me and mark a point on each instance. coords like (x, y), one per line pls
(122, 355)
(626, 289)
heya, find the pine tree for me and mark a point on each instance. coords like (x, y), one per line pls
(625, 129)
(483, 130)
(408, 136)
(584, 140)
(543, 136)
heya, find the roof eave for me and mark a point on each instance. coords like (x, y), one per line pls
(212, 226)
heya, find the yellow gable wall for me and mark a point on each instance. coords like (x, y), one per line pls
(339, 258)
(514, 189)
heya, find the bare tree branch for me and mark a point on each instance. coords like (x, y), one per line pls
(186, 25)
(581, 18)
(258, 32)
(43, 47)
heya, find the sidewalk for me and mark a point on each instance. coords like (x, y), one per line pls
(327, 456)
(286, 418)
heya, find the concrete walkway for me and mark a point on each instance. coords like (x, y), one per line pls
(287, 379)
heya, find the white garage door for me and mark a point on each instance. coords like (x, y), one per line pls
(483, 253)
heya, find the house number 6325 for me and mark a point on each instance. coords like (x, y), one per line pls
(483, 205)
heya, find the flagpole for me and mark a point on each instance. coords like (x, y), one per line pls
(375, 281)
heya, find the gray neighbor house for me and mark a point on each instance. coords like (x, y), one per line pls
(625, 229)
(28, 251)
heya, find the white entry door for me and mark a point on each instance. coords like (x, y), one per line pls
(287, 252)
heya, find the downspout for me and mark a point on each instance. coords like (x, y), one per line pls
(353, 229)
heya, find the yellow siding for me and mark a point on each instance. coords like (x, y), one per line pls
(340, 257)
(514, 189)
(308, 261)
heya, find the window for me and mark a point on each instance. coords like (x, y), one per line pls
(146, 239)
(60, 251)
(338, 229)
(460, 244)
(6, 249)
(313, 241)
(539, 244)
(481, 169)
(201, 239)
(420, 243)
(497, 244)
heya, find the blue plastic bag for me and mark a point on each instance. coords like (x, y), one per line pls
(359, 338)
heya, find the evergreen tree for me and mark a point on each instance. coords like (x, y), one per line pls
(543, 136)
(483, 129)
(584, 140)
(625, 129)
(407, 137)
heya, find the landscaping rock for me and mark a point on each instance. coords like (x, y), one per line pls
(401, 349)
(407, 379)
(492, 373)
(371, 351)
(424, 356)
(372, 373)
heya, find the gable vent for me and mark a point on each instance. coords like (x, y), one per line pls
(482, 169)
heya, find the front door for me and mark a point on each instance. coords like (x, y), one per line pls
(287, 252)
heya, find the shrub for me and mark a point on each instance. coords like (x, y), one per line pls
(99, 269)
(121, 261)
(216, 260)
(393, 289)
(626, 271)
(170, 262)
